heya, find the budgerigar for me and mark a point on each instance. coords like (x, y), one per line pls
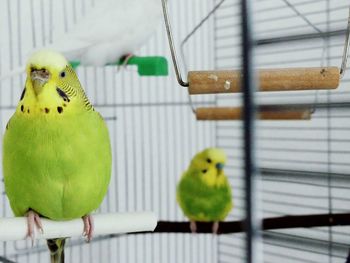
(204, 193)
(110, 30)
(56, 149)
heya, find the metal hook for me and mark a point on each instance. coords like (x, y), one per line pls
(171, 44)
(189, 35)
(302, 16)
(194, 30)
(346, 49)
(323, 58)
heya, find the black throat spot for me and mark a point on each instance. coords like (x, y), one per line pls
(62, 94)
(23, 93)
(59, 110)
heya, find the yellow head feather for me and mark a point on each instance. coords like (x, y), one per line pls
(52, 87)
(49, 59)
(209, 165)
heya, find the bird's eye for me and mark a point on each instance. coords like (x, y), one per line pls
(204, 171)
(209, 160)
(63, 74)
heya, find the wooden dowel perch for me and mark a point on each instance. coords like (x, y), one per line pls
(15, 228)
(207, 82)
(264, 113)
(298, 221)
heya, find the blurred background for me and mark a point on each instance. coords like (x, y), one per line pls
(304, 167)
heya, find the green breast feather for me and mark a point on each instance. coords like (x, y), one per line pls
(201, 202)
(58, 167)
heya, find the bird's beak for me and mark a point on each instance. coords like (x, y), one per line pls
(220, 167)
(39, 77)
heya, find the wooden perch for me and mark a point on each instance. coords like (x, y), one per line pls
(264, 113)
(298, 221)
(15, 228)
(208, 82)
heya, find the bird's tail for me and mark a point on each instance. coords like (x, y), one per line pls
(56, 247)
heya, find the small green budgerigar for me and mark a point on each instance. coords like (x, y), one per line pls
(204, 193)
(56, 149)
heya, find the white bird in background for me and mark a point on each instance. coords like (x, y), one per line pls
(111, 30)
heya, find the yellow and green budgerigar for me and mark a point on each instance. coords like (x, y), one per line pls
(204, 193)
(56, 149)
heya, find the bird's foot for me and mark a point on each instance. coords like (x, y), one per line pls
(33, 218)
(124, 60)
(88, 227)
(215, 227)
(193, 226)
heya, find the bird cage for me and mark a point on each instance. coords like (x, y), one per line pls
(298, 144)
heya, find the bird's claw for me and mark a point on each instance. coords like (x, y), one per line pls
(215, 227)
(88, 227)
(193, 226)
(33, 219)
(124, 60)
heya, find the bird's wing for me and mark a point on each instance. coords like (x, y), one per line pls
(125, 25)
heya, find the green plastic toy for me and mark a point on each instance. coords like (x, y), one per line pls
(146, 66)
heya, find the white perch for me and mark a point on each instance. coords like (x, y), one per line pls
(15, 228)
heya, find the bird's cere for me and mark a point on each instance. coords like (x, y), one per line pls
(41, 75)
(220, 166)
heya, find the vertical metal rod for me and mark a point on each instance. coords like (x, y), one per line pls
(194, 30)
(329, 128)
(50, 21)
(11, 44)
(43, 22)
(171, 45)
(32, 18)
(249, 111)
(302, 16)
(346, 49)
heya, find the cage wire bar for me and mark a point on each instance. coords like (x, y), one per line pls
(270, 79)
(252, 223)
(301, 161)
(140, 119)
(295, 10)
(293, 154)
